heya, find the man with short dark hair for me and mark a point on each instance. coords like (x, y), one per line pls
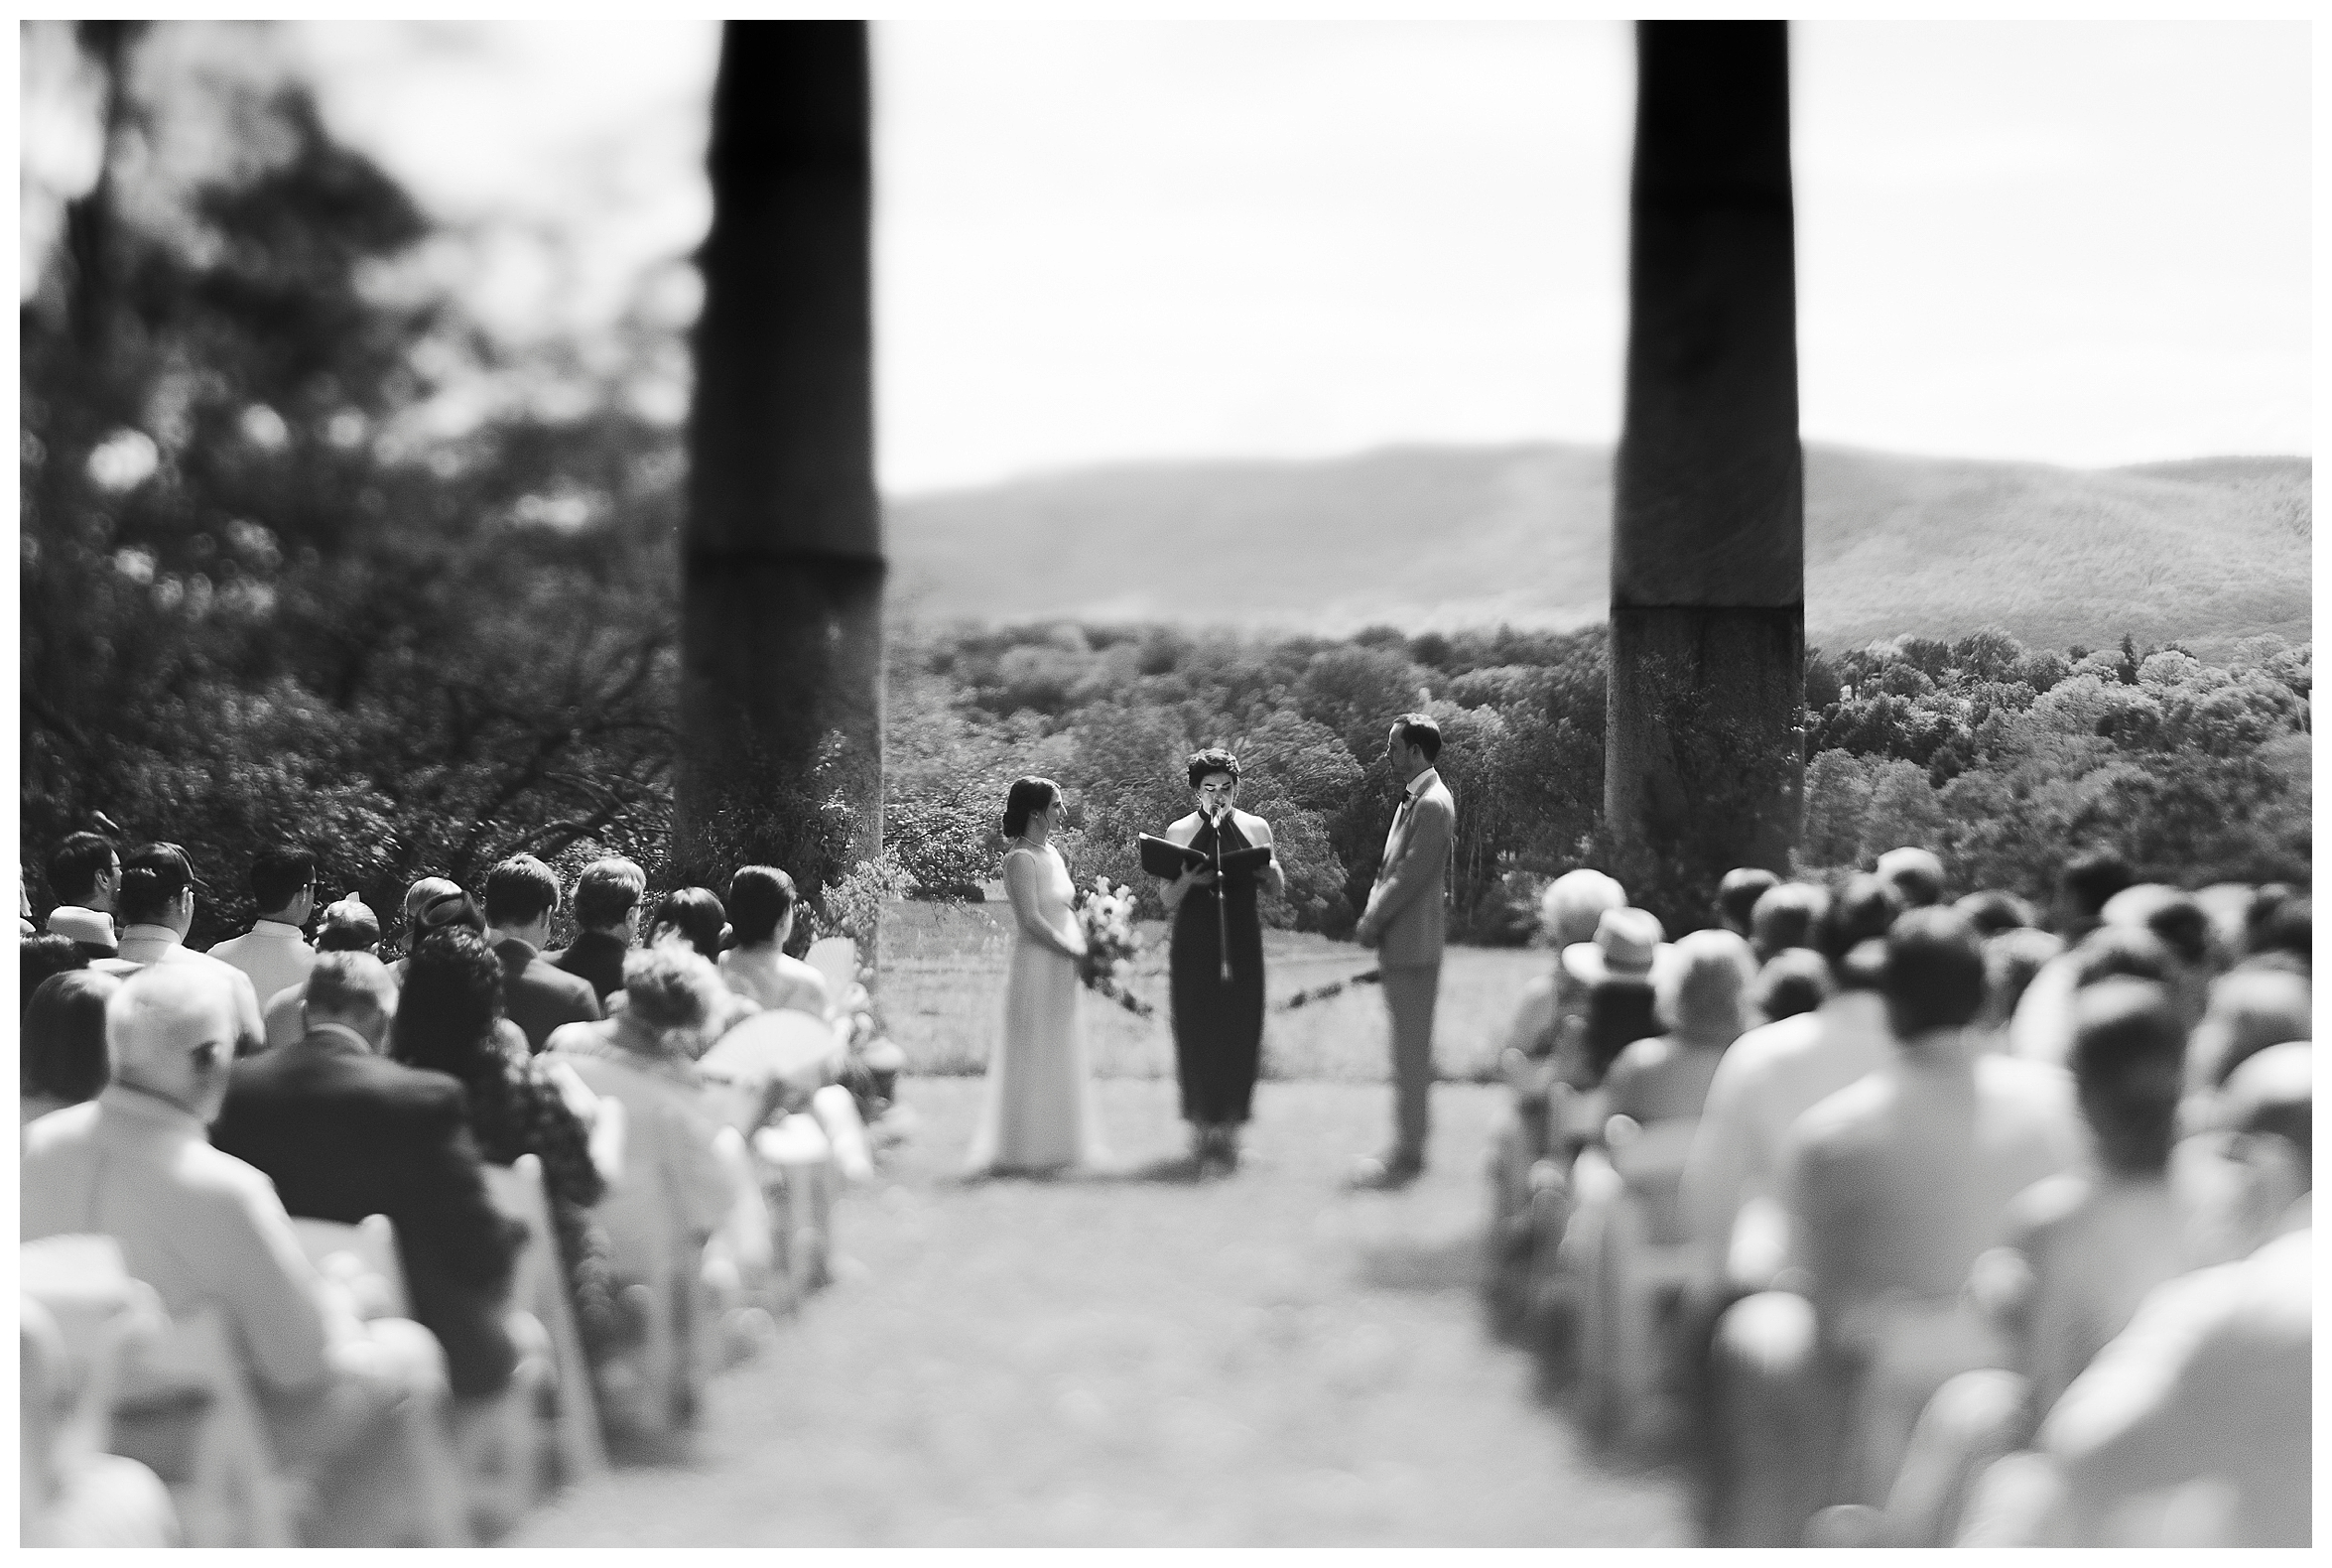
(84, 872)
(1738, 895)
(273, 952)
(521, 894)
(1915, 874)
(1405, 921)
(607, 919)
(343, 1132)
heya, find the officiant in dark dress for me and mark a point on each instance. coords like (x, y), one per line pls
(1217, 1014)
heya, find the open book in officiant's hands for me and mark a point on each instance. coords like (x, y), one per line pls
(1164, 857)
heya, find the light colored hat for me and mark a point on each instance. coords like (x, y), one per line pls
(1628, 944)
(1573, 902)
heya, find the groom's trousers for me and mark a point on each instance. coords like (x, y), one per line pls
(1409, 994)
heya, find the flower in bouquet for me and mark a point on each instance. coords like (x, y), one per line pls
(1106, 913)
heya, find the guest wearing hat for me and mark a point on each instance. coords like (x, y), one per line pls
(1613, 974)
(156, 902)
(1567, 913)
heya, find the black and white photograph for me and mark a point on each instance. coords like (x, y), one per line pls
(1256, 781)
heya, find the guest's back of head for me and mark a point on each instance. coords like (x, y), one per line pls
(1787, 915)
(670, 986)
(1863, 910)
(1914, 873)
(449, 1002)
(349, 926)
(42, 954)
(1572, 904)
(2128, 1060)
(2010, 958)
(172, 1032)
(62, 1057)
(1738, 895)
(75, 866)
(2250, 1010)
(1934, 973)
(695, 913)
(607, 890)
(2129, 951)
(279, 874)
(520, 891)
(2282, 926)
(2083, 888)
(1992, 911)
(760, 899)
(153, 878)
(1793, 980)
(1702, 993)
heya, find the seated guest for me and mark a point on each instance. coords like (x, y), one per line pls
(446, 1023)
(431, 902)
(2281, 934)
(84, 872)
(696, 916)
(273, 953)
(41, 956)
(343, 1132)
(2042, 1027)
(1794, 980)
(1787, 915)
(1893, 1186)
(761, 901)
(2043, 1023)
(62, 1059)
(2010, 960)
(1702, 1002)
(2082, 1250)
(2212, 1378)
(69, 1496)
(1915, 874)
(2249, 1011)
(1567, 912)
(156, 902)
(674, 1190)
(355, 1407)
(1992, 912)
(1613, 977)
(607, 914)
(1738, 895)
(521, 894)
(1771, 1076)
(349, 926)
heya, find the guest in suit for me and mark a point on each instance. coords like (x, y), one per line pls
(761, 901)
(273, 953)
(1405, 921)
(352, 1406)
(84, 872)
(349, 926)
(344, 1132)
(1738, 895)
(521, 894)
(607, 914)
(62, 1060)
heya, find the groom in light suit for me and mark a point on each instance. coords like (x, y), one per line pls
(1405, 921)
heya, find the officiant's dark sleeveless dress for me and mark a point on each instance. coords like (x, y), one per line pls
(1218, 1027)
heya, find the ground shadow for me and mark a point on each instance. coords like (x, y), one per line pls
(1452, 1262)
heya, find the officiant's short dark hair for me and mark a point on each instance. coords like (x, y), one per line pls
(1029, 795)
(1211, 761)
(759, 898)
(1419, 730)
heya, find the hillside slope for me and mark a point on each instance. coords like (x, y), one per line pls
(1433, 538)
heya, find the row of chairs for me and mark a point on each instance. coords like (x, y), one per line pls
(113, 1346)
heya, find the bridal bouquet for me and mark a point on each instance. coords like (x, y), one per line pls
(1106, 912)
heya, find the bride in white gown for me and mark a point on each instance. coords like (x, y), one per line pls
(1039, 1114)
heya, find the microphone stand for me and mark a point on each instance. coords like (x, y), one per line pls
(1222, 906)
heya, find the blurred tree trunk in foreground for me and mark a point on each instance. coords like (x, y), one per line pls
(1708, 576)
(782, 553)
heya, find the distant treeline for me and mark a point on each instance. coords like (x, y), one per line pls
(2006, 759)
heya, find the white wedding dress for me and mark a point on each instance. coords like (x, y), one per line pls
(1037, 1114)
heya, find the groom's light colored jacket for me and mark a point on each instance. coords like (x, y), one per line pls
(1410, 898)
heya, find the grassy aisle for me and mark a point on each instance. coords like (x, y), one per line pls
(1142, 1361)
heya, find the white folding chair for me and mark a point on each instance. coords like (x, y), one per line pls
(798, 1150)
(232, 1493)
(1629, 1270)
(539, 1286)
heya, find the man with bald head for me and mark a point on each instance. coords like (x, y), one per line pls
(343, 1132)
(353, 1405)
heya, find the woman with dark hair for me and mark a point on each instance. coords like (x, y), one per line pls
(1038, 1113)
(1217, 964)
(62, 1061)
(42, 954)
(447, 1016)
(694, 913)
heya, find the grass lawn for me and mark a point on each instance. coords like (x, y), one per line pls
(942, 994)
(1134, 1359)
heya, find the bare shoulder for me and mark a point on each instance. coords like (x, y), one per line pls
(1255, 828)
(1183, 829)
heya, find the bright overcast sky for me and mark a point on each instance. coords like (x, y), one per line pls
(2081, 243)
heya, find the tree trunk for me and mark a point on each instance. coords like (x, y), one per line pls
(1708, 546)
(781, 637)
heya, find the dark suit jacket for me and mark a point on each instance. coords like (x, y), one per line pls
(539, 996)
(596, 957)
(344, 1133)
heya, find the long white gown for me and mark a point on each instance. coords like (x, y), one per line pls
(1038, 1114)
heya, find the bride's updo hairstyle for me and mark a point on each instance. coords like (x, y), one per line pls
(1211, 761)
(1029, 795)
